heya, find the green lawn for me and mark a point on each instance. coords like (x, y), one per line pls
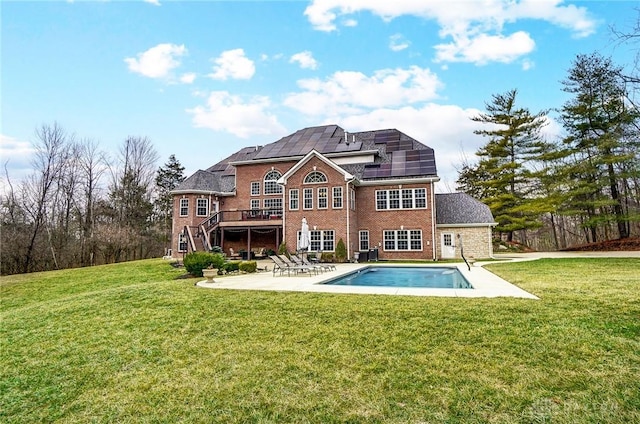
(131, 343)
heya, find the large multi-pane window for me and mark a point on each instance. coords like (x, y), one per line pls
(411, 198)
(337, 197)
(323, 197)
(402, 239)
(271, 185)
(364, 240)
(315, 177)
(294, 199)
(273, 204)
(322, 240)
(308, 198)
(184, 207)
(202, 207)
(255, 188)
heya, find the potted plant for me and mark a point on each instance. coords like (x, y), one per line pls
(209, 273)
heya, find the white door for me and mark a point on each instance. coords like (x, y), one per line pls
(447, 247)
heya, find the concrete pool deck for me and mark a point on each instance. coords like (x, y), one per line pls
(485, 283)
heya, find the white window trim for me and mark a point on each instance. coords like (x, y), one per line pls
(198, 207)
(326, 198)
(304, 197)
(401, 206)
(278, 187)
(334, 197)
(186, 206)
(255, 184)
(297, 191)
(315, 182)
(395, 241)
(182, 240)
(322, 240)
(255, 202)
(360, 233)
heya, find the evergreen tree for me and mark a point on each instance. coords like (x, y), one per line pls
(502, 178)
(168, 178)
(601, 146)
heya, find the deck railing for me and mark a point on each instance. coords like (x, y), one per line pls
(240, 215)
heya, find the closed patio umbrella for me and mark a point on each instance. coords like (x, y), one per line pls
(304, 240)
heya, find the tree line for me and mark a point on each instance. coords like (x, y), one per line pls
(580, 188)
(80, 207)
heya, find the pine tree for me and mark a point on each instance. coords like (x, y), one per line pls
(503, 176)
(602, 144)
(168, 178)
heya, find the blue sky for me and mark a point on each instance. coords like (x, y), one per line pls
(202, 79)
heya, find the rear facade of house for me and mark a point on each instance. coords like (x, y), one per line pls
(374, 190)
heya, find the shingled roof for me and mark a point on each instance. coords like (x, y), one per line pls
(460, 208)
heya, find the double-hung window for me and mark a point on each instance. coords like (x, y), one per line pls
(308, 198)
(364, 240)
(294, 199)
(182, 242)
(323, 197)
(408, 198)
(184, 207)
(255, 203)
(255, 188)
(322, 240)
(337, 197)
(202, 207)
(402, 239)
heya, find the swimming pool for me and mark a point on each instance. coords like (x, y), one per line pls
(393, 276)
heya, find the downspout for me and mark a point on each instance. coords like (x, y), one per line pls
(284, 208)
(433, 222)
(347, 196)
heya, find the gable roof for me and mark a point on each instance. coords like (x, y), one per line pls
(308, 156)
(460, 208)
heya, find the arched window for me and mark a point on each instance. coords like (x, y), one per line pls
(270, 182)
(315, 177)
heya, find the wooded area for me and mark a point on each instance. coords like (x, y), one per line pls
(81, 208)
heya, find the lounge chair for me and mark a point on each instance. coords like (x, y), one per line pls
(327, 266)
(233, 255)
(300, 262)
(296, 267)
(279, 265)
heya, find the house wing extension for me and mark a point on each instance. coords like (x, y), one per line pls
(201, 181)
(460, 208)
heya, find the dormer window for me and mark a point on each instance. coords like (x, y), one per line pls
(271, 182)
(315, 177)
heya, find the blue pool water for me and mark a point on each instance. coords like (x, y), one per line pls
(423, 277)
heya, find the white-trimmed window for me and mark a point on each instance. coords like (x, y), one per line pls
(294, 199)
(184, 207)
(255, 188)
(363, 236)
(402, 239)
(322, 240)
(337, 197)
(274, 205)
(271, 185)
(352, 199)
(255, 203)
(308, 198)
(202, 207)
(315, 177)
(323, 197)
(182, 242)
(408, 198)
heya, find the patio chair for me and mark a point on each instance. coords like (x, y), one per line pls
(328, 266)
(296, 267)
(300, 262)
(233, 255)
(279, 265)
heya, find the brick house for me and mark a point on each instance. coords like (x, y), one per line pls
(372, 189)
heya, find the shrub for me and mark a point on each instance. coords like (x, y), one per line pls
(195, 262)
(216, 249)
(341, 251)
(326, 257)
(248, 266)
(282, 250)
(232, 266)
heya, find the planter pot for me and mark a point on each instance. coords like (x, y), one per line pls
(209, 274)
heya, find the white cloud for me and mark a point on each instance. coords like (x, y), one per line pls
(233, 64)
(486, 48)
(305, 60)
(158, 61)
(16, 157)
(398, 43)
(240, 117)
(355, 92)
(472, 23)
(527, 64)
(153, 2)
(188, 78)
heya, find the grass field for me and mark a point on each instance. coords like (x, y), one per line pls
(131, 343)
